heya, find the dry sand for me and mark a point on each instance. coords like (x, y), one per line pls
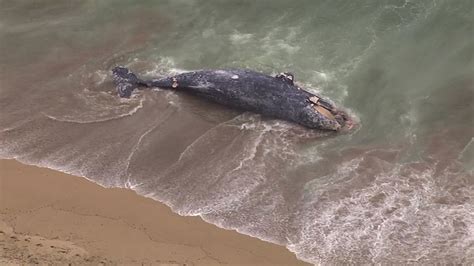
(49, 217)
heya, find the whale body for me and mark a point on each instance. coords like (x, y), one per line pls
(274, 96)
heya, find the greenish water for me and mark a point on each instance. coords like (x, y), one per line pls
(399, 189)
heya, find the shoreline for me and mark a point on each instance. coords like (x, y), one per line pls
(48, 217)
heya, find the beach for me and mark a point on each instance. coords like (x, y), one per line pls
(169, 167)
(49, 217)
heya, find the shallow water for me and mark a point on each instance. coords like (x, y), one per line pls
(399, 189)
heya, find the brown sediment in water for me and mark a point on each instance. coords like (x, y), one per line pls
(49, 217)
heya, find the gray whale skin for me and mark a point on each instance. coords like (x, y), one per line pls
(247, 90)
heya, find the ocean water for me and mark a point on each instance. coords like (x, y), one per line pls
(399, 189)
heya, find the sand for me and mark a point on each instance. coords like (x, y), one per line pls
(49, 217)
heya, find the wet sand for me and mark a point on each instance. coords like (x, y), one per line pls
(49, 217)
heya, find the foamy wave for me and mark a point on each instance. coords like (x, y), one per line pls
(395, 218)
(129, 183)
(100, 76)
(92, 119)
(238, 38)
(164, 67)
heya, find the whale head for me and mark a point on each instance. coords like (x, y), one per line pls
(320, 114)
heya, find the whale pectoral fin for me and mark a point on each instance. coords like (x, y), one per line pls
(322, 106)
(324, 112)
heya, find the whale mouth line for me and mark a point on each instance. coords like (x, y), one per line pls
(324, 111)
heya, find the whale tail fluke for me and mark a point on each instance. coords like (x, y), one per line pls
(126, 81)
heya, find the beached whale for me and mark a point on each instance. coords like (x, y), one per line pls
(247, 90)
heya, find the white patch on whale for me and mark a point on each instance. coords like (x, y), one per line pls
(203, 85)
(226, 73)
(222, 72)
